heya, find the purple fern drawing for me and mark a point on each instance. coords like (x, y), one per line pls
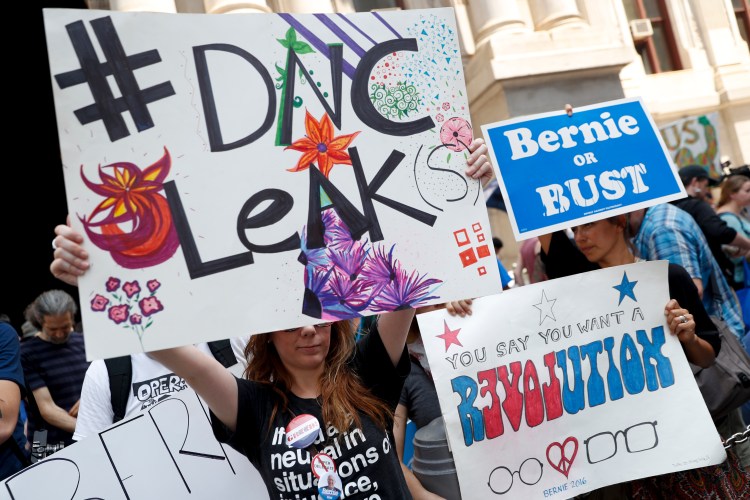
(347, 277)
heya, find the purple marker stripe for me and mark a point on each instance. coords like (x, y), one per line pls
(350, 23)
(341, 34)
(380, 18)
(316, 42)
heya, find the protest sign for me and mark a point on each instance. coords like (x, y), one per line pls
(168, 451)
(566, 386)
(248, 173)
(694, 141)
(557, 171)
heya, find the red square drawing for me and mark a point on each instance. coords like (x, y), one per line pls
(467, 257)
(483, 251)
(462, 237)
(480, 237)
(482, 270)
(476, 227)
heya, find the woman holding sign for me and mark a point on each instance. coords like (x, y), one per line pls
(314, 412)
(606, 243)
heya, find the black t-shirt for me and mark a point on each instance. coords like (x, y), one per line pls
(365, 457)
(716, 231)
(564, 259)
(420, 396)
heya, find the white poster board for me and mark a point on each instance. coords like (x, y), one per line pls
(248, 173)
(562, 387)
(167, 451)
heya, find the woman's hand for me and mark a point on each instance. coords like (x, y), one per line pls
(680, 322)
(479, 166)
(459, 307)
(71, 260)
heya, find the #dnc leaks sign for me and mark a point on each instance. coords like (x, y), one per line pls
(557, 171)
(550, 394)
(249, 173)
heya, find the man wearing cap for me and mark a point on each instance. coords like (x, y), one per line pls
(697, 183)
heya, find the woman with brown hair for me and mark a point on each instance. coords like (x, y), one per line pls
(735, 195)
(606, 243)
(313, 403)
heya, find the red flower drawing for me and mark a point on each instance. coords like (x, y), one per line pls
(133, 222)
(320, 146)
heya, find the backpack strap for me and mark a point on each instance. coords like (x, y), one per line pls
(222, 351)
(120, 371)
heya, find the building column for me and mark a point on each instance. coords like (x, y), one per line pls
(551, 14)
(489, 17)
(237, 7)
(143, 5)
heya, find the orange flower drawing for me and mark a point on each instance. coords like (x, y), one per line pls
(133, 222)
(319, 146)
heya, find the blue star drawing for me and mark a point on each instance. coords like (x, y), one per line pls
(626, 288)
(545, 308)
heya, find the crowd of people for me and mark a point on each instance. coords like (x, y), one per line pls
(376, 382)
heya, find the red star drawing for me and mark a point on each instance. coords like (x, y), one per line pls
(450, 336)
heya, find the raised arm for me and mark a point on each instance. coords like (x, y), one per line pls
(207, 377)
(393, 328)
(203, 373)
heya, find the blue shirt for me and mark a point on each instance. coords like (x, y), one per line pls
(10, 369)
(668, 233)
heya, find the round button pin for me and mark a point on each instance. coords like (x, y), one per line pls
(322, 463)
(302, 431)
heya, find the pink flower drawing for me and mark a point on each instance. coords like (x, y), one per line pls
(131, 288)
(440, 117)
(118, 314)
(113, 284)
(446, 106)
(150, 305)
(119, 305)
(456, 134)
(99, 303)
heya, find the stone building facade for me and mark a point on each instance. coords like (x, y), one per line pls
(682, 57)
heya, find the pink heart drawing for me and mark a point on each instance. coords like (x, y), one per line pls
(561, 456)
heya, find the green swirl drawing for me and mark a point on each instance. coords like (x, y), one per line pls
(395, 101)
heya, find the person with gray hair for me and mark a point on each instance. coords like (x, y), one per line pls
(54, 364)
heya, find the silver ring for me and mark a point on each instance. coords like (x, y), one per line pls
(54, 247)
(682, 318)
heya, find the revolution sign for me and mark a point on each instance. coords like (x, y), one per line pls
(238, 174)
(550, 394)
(558, 171)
